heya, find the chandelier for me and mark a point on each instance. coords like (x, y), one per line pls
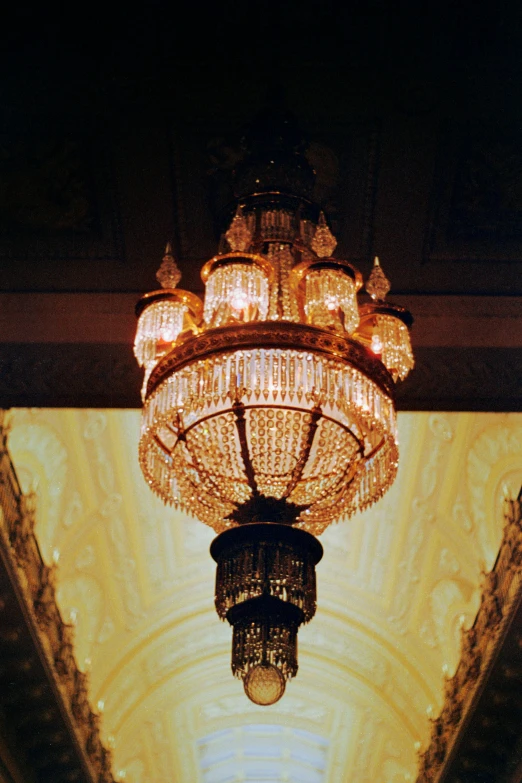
(268, 408)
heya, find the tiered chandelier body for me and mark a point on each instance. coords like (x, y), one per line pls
(268, 410)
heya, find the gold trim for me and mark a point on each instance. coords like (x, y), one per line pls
(239, 257)
(367, 311)
(272, 334)
(300, 271)
(193, 302)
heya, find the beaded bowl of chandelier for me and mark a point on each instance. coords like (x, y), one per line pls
(271, 402)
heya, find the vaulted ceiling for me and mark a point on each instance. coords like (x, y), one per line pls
(396, 585)
(120, 131)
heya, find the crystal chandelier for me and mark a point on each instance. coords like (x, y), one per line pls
(268, 409)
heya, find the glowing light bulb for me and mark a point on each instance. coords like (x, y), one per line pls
(238, 299)
(331, 302)
(376, 344)
(168, 334)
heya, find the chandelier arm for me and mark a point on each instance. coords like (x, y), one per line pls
(305, 452)
(348, 475)
(239, 413)
(165, 449)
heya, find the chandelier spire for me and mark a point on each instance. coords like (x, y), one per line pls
(377, 284)
(168, 274)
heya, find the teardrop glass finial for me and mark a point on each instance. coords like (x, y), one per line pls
(377, 284)
(168, 275)
(324, 242)
(239, 235)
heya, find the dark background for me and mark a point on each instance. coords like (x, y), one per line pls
(120, 129)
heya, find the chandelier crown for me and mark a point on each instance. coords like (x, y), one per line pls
(269, 408)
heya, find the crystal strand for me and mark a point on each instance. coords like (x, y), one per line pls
(319, 380)
(275, 371)
(257, 373)
(241, 371)
(299, 377)
(265, 370)
(291, 373)
(232, 385)
(309, 380)
(283, 375)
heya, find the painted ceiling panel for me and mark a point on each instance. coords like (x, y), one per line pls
(395, 587)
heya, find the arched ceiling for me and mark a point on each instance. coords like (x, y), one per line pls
(395, 587)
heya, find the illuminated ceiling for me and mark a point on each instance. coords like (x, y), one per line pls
(395, 586)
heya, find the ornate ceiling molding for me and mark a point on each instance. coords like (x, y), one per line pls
(475, 736)
(397, 583)
(59, 733)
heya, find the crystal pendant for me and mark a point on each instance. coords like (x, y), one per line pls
(324, 242)
(168, 275)
(377, 284)
(239, 235)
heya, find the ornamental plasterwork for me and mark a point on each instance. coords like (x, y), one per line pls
(397, 584)
(493, 464)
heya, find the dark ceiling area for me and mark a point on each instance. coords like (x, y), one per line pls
(121, 130)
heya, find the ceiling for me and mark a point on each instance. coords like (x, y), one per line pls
(122, 132)
(394, 588)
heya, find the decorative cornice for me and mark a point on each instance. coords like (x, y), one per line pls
(53, 639)
(501, 597)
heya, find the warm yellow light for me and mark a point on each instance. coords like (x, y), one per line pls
(237, 289)
(306, 417)
(384, 329)
(393, 338)
(330, 300)
(376, 344)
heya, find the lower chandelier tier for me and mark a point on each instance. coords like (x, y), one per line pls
(265, 588)
(231, 418)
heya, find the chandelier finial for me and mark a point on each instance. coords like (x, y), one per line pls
(324, 242)
(377, 284)
(168, 275)
(239, 235)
